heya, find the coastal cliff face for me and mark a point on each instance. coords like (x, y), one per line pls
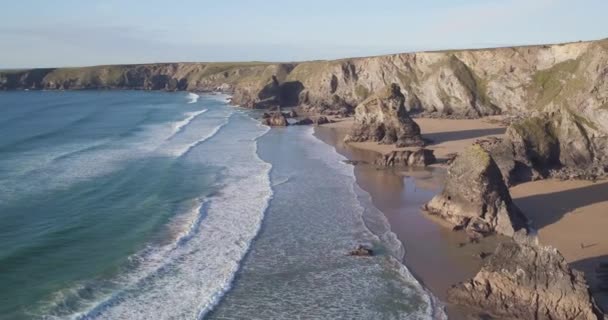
(566, 83)
(464, 82)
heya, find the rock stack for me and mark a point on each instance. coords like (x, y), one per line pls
(475, 197)
(525, 280)
(384, 119)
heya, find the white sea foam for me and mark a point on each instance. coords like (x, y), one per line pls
(180, 149)
(280, 181)
(186, 278)
(179, 125)
(61, 166)
(193, 97)
(375, 223)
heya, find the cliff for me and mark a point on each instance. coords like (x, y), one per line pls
(466, 82)
(568, 82)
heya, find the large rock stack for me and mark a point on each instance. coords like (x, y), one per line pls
(384, 119)
(475, 197)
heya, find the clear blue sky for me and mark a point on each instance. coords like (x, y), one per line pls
(86, 32)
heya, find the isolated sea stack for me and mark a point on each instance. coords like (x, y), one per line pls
(384, 119)
(524, 280)
(475, 197)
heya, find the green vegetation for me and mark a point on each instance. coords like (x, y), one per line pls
(90, 76)
(540, 134)
(361, 92)
(549, 83)
(477, 156)
(310, 71)
(477, 86)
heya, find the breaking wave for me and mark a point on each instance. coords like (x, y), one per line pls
(193, 97)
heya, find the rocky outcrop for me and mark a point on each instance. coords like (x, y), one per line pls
(362, 251)
(275, 119)
(475, 197)
(525, 280)
(406, 158)
(383, 118)
(501, 151)
(313, 120)
(561, 145)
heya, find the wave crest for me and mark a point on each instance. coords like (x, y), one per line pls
(193, 97)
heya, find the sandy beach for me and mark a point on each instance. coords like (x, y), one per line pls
(447, 136)
(571, 216)
(559, 210)
(431, 248)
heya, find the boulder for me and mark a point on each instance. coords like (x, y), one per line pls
(354, 162)
(304, 122)
(361, 251)
(475, 197)
(384, 119)
(321, 120)
(524, 280)
(274, 119)
(315, 120)
(417, 158)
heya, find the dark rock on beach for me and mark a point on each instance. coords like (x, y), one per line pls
(525, 280)
(475, 197)
(354, 162)
(417, 158)
(274, 119)
(313, 120)
(361, 251)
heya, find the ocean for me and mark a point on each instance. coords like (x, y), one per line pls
(156, 205)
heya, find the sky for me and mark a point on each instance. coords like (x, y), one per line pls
(58, 33)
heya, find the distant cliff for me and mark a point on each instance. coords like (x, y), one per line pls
(566, 81)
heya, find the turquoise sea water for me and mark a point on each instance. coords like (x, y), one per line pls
(142, 205)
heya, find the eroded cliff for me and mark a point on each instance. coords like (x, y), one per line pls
(565, 84)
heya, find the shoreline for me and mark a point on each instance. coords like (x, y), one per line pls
(430, 247)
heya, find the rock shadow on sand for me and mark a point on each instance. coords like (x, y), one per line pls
(596, 274)
(557, 204)
(446, 136)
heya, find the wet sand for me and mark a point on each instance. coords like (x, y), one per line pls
(434, 253)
